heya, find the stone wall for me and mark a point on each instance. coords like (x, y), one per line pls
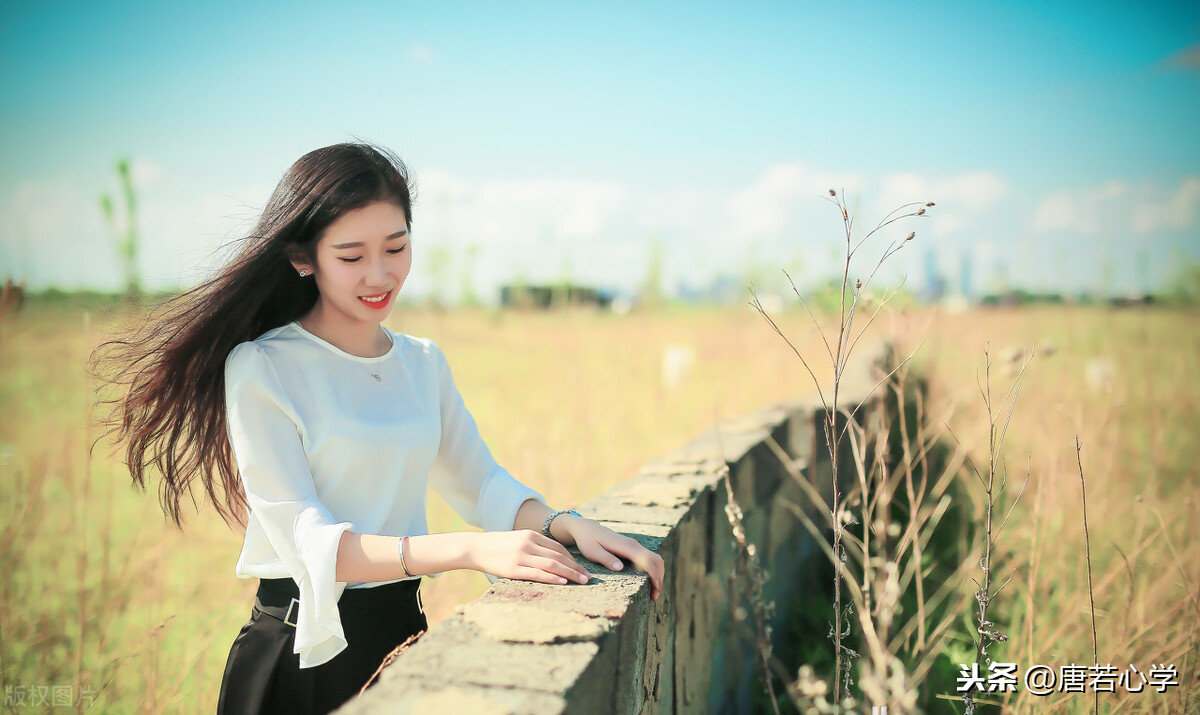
(605, 647)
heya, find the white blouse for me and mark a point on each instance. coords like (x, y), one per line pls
(327, 441)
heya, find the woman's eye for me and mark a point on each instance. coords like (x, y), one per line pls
(392, 251)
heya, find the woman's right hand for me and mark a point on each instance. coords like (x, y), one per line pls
(525, 555)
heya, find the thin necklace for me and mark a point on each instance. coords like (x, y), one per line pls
(375, 372)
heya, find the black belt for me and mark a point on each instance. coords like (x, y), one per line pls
(280, 597)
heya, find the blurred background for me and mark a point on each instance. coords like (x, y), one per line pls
(683, 148)
(619, 176)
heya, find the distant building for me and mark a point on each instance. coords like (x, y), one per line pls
(935, 284)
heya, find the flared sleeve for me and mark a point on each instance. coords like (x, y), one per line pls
(266, 436)
(465, 474)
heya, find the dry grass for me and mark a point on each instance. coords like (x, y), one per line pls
(1126, 384)
(1094, 361)
(99, 591)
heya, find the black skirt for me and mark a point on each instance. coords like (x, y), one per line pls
(263, 675)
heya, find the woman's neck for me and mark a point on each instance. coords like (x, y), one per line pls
(357, 337)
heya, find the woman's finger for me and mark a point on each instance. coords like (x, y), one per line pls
(540, 545)
(630, 549)
(652, 564)
(657, 576)
(564, 558)
(556, 547)
(598, 554)
(530, 573)
(553, 547)
(558, 568)
(647, 561)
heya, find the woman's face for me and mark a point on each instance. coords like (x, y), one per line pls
(362, 260)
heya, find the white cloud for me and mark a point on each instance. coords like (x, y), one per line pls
(599, 231)
(1084, 211)
(775, 204)
(1064, 212)
(1119, 207)
(781, 202)
(517, 212)
(684, 209)
(568, 208)
(1175, 211)
(962, 200)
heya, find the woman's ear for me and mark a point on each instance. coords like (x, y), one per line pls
(303, 268)
(300, 263)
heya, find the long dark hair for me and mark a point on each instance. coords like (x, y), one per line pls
(172, 416)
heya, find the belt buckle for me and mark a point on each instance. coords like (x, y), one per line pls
(288, 615)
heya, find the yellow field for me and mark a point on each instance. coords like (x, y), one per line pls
(101, 597)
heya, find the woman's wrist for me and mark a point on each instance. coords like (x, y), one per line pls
(562, 529)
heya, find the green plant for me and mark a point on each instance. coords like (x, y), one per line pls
(125, 237)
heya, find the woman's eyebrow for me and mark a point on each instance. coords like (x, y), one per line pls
(356, 244)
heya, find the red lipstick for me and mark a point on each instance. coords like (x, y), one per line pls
(387, 298)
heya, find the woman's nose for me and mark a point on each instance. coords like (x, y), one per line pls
(377, 274)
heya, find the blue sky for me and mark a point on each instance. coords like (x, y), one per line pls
(550, 140)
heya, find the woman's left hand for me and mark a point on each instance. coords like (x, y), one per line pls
(606, 547)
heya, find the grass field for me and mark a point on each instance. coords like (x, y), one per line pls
(102, 599)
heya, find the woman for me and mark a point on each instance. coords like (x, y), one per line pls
(276, 384)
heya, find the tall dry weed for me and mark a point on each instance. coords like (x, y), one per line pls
(866, 545)
(993, 486)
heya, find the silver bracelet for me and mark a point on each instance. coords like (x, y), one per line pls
(546, 526)
(400, 550)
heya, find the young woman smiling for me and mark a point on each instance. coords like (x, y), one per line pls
(317, 430)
